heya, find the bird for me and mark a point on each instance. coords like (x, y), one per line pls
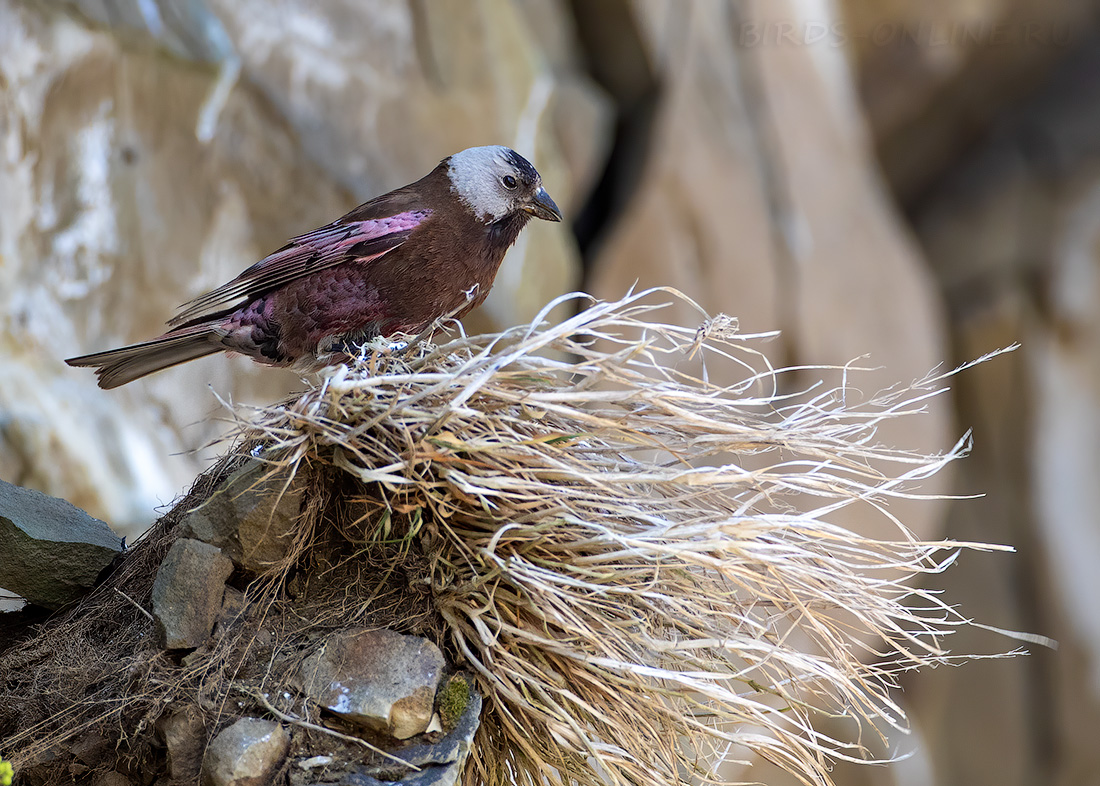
(395, 264)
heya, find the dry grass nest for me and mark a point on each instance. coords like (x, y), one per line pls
(646, 571)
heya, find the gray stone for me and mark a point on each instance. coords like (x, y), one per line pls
(234, 610)
(251, 517)
(50, 551)
(440, 763)
(184, 733)
(112, 779)
(245, 754)
(376, 678)
(187, 593)
(313, 762)
(89, 749)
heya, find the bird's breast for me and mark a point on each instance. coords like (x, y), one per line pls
(444, 268)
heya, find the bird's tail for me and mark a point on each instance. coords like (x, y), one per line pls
(119, 366)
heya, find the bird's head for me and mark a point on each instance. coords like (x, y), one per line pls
(496, 182)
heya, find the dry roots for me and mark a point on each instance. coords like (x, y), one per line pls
(634, 561)
(643, 568)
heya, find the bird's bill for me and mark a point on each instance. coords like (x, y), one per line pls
(542, 206)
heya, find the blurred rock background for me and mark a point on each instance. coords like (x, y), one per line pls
(917, 181)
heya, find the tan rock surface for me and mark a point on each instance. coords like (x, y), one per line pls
(934, 75)
(1014, 236)
(761, 201)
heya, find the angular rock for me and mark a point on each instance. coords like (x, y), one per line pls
(112, 779)
(245, 754)
(376, 678)
(251, 517)
(90, 748)
(52, 551)
(233, 611)
(184, 733)
(440, 763)
(187, 593)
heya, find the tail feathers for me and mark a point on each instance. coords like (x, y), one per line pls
(119, 366)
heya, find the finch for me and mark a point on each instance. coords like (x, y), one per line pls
(392, 265)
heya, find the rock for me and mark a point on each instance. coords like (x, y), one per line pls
(245, 754)
(932, 77)
(233, 611)
(90, 749)
(435, 727)
(189, 31)
(441, 763)
(795, 228)
(251, 517)
(377, 678)
(313, 762)
(112, 779)
(187, 593)
(52, 551)
(184, 733)
(116, 171)
(1013, 235)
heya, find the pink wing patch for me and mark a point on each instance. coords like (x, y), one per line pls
(322, 248)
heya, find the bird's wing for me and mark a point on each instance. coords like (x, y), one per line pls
(362, 235)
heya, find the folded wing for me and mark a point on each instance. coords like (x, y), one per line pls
(350, 238)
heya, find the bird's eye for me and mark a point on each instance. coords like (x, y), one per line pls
(508, 181)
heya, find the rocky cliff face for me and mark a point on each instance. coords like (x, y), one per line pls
(1013, 237)
(730, 148)
(116, 209)
(753, 191)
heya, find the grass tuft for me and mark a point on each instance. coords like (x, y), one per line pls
(646, 572)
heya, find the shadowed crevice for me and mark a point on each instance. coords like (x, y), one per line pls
(614, 56)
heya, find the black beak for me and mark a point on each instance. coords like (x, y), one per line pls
(542, 206)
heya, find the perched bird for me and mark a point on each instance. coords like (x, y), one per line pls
(394, 264)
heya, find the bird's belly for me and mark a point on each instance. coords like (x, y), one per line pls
(330, 302)
(355, 300)
(359, 301)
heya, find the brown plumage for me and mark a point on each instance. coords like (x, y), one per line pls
(394, 264)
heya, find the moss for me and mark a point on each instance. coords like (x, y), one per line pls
(452, 699)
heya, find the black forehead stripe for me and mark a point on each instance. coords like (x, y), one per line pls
(522, 165)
